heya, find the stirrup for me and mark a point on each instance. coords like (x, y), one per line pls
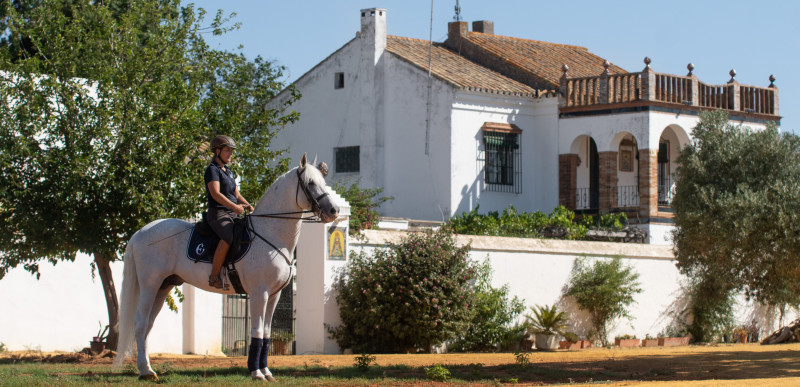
(216, 282)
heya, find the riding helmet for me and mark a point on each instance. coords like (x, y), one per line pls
(222, 140)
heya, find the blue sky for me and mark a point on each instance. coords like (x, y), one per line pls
(757, 38)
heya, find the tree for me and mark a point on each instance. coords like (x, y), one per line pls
(102, 124)
(605, 289)
(737, 209)
(406, 298)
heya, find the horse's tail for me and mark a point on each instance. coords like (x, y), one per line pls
(129, 299)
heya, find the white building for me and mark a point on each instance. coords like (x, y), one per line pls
(489, 120)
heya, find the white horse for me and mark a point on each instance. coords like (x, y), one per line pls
(155, 261)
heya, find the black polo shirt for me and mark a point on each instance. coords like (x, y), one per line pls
(227, 184)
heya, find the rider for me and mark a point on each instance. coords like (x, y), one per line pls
(224, 202)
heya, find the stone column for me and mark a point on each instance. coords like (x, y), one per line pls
(608, 180)
(648, 183)
(567, 179)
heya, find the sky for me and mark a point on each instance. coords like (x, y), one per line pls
(756, 38)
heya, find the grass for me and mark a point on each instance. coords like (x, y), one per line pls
(61, 374)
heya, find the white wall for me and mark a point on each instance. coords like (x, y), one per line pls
(61, 311)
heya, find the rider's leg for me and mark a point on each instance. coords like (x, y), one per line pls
(216, 265)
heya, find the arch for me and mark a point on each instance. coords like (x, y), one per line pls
(619, 137)
(578, 143)
(678, 133)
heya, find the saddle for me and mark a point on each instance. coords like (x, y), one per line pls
(203, 243)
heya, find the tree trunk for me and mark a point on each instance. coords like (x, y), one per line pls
(103, 260)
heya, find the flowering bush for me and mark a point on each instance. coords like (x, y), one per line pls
(363, 204)
(404, 298)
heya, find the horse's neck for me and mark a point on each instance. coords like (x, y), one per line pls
(280, 198)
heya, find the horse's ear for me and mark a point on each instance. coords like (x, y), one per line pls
(303, 161)
(315, 160)
(323, 168)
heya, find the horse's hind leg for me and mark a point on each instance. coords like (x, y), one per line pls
(142, 328)
(158, 304)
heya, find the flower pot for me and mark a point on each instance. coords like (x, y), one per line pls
(546, 342)
(650, 343)
(673, 341)
(564, 344)
(527, 344)
(97, 347)
(627, 343)
(280, 347)
(586, 344)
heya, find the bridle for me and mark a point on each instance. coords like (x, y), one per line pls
(316, 210)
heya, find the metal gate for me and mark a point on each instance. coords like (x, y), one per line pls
(236, 324)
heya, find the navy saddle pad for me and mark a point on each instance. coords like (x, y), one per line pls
(201, 248)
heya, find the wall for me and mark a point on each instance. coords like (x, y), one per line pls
(63, 309)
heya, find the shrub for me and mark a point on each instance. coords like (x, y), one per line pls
(559, 223)
(363, 202)
(438, 373)
(605, 289)
(546, 320)
(490, 326)
(364, 361)
(404, 298)
(711, 308)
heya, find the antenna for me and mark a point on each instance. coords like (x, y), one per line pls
(457, 17)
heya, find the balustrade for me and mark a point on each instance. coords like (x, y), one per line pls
(648, 85)
(627, 196)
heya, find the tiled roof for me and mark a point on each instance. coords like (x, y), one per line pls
(542, 59)
(455, 69)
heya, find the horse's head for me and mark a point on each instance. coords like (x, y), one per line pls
(316, 192)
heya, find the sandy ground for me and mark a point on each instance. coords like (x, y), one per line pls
(721, 365)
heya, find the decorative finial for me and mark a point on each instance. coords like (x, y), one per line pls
(647, 62)
(457, 17)
(733, 75)
(690, 66)
(772, 80)
(606, 64)
(564, 68)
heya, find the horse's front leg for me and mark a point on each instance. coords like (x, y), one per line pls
(262, 365)
(258, 306)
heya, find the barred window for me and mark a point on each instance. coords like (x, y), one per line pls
(501, 166)
(347, 159)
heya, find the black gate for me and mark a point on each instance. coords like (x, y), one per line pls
(236, 324)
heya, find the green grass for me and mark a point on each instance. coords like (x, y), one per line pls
(61, 374)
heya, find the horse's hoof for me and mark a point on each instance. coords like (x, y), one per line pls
(270, 378)
(152, 377)
(257, 375)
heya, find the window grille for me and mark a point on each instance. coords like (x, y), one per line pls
(347, 159)
(499, 158)
(338, 81)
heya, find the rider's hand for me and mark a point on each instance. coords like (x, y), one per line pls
(248, 207)
(238, 209)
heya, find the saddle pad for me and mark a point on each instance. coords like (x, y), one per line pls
(201, 249)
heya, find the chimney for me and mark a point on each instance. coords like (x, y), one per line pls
(373, 31)
(456, 31)
(485, 26)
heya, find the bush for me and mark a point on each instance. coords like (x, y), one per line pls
(405, 298)
(363, 202)
(490, 326)
(605, 289)
(511, 223)
(546, 320)
(711, 308)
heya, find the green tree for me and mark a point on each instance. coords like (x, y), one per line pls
(103, 121)
(363, 203)
(605, 289)
(492, 314)
(405, 298)
(737, 210)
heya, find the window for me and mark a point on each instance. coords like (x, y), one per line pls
(338, 81)
(501, 157)
(347, 159)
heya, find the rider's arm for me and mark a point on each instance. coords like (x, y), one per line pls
(213, 189)
(241, 200)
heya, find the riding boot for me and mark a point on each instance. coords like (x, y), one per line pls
(216, 265)
(254, 356)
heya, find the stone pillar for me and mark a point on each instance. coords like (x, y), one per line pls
(648, 82)
(648, 183)
(774, 99)
(608, 180)
(567, 179)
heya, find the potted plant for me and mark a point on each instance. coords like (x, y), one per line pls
(571, 341)
(626, 341)
(98, 343)
(649, 341)
(740, 334)
(546, 323)
(280, 342)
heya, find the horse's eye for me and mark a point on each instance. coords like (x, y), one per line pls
(311, 183)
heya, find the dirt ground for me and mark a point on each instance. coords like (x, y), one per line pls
(719, 365)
